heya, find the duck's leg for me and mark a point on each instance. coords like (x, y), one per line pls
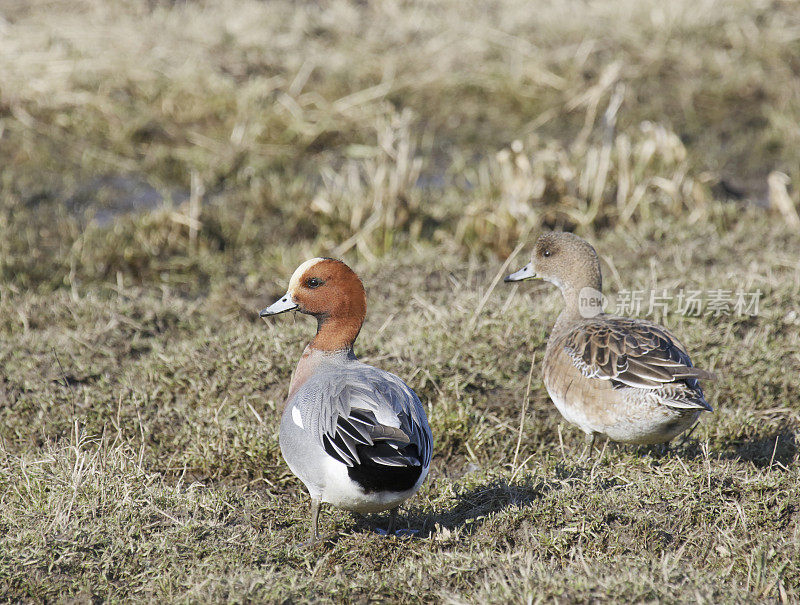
(316, 505)
(392, 520)
(688, 434)
(587, 455)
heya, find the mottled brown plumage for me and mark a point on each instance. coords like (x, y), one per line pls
(624, 379)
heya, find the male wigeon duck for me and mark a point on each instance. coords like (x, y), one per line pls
(355, 435)
(627, 380)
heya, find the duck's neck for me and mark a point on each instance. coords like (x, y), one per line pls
(582, 300)
(333, 342)
(336, 333)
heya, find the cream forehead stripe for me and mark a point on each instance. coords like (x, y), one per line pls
(294, 282)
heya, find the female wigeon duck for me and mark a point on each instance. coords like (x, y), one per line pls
(617, 378)
(356, 436)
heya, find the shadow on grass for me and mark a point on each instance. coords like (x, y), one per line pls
(470, 510)
(777, 450)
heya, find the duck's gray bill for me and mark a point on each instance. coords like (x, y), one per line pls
(279, 306)
(526, 272)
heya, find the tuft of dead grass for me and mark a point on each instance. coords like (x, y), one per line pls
(330, 116)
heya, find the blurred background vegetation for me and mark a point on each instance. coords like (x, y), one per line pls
(179, 141)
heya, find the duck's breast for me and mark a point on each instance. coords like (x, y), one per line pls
(589, 403)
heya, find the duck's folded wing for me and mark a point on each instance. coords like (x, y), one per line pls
(633, 353)
(366, 417)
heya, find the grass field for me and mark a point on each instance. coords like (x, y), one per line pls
(166, 165)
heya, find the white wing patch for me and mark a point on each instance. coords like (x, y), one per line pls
(297, 417)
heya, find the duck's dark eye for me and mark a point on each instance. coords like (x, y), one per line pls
(546, 253)
(314, 282)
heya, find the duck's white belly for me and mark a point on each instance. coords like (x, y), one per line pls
(340, 490)
(640, 421)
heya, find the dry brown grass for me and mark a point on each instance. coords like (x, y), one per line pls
(165, 165)
(569, 114)
(172, 487)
